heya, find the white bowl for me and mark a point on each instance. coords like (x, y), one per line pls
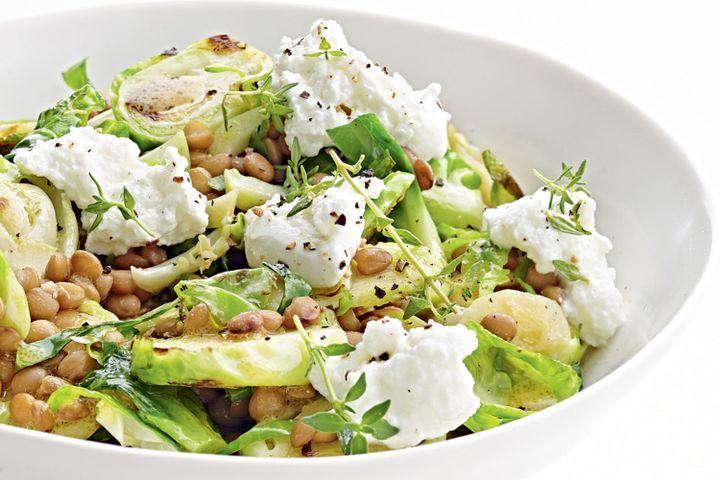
(531, 110)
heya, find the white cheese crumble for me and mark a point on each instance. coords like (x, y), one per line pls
(595, 307)
(420, 371)
(317, 243)
(166, 202)
(333, 91)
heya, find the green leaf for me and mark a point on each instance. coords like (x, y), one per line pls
(358, 444)
(301, 205)
(236, 394)
(294, 286)
(408, 237)
(259, 433)
(32, 353)
(76, 76)
(562, 224)
(344, 438)
(128, 199)
(569, 271)
(324, 44)
(357, 390)
(382, 430)
(336, 349)
(329, 422)
(56, 121)
(119, 128)
(375, 413)
(415, 305)
(345, 300)
(176, 412)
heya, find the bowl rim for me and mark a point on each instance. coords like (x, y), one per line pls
(631, 365)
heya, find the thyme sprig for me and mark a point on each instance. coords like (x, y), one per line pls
(325, 50)
(351, 434)
(101, 205)
(567, 218)
(384, 224)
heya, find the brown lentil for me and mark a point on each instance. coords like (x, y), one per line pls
(28, 380)
(541, 280)
(349, 321)
(153, 254)
(130, 259)
(423, 174)
(21, 409)
(226, 413)
(48, 385)
(301, 434)
(69, 295)
(122, 282)
(500, 324)
(257, 166)
(304, 307)
(73, 411)
(114, 336)
(271, 319)
(76, 365)
(86, 284)
(372, 260)
(42, 418)
(58, 268)
(103, 284)
(197, 318)
(124, 306)
(28, 278)
(273, 150)
(267, 403)
(86, 264)
(199, 177)
(217, 164)
(198, 135)
(9, 339)
(554, 293)
(41, 304)
(245, 322)
(324, 437)
(7, 369)
(40, 329)
(67, 319)
(197, 157)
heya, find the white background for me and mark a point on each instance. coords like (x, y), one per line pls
(665, 58)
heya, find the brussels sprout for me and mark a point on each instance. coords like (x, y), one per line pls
(12, 132)
(229, 361)
(230, 293)
(158, 96)
(541, 323)
(119, 420)
(17, 314)
(237, 136)
(508, 375)
(156, 156)
(251, 191)
(397, 281)
(27, 213)
(198, 258)
(68, 235)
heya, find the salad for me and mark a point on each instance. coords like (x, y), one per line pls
(293, 255)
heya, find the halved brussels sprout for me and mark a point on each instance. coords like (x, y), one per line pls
(158, 96)
(17, 314)
(229, 361)
(541, 323)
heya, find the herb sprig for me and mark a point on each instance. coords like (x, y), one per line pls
(101, 205)
(351, 434)
(384, 224)
(567, 220)
(325, 50)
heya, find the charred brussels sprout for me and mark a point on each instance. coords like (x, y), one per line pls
(158, 96)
